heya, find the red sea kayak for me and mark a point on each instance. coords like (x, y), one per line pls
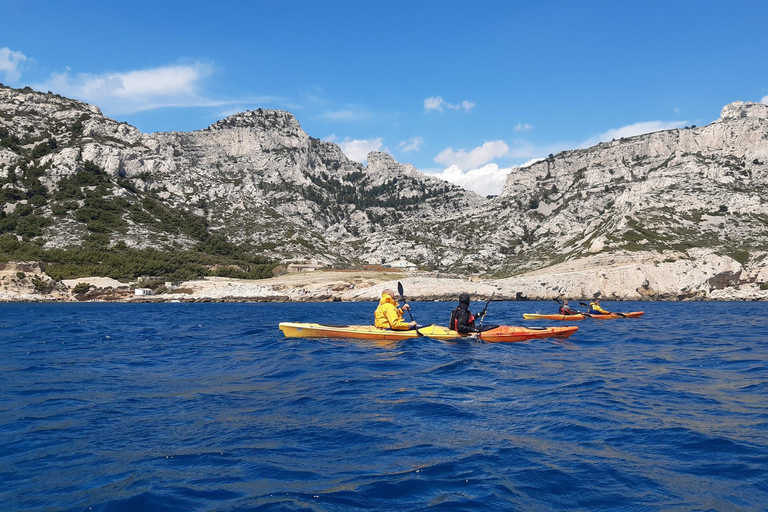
(504, 333)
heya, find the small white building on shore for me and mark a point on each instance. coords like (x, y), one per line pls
(400, 265)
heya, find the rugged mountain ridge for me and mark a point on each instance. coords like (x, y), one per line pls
(667, 200)
(255, 177)
(668, 190)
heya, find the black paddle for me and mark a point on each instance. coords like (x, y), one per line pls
(402, 298)
(622, 315)
(485, 310)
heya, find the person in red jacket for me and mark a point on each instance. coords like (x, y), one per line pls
(565, 309)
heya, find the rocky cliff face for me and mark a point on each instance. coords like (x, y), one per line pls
(688, 193)
(688, 201)
(256, 177)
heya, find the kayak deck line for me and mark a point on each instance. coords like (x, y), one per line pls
(504, 333)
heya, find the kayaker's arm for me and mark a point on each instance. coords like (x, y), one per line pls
(394, 315)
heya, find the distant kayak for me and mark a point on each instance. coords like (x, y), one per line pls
(536, 316)
(505, 333)
(582, 316)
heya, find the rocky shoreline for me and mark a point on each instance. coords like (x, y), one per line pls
(615, 277)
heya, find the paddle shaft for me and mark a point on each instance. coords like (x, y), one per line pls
(400, 291)
(402, 298)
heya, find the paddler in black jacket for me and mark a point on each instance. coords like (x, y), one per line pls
(462, 321)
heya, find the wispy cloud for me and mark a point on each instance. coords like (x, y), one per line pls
(9, 64)
(523, 127)
(350, 114)
(357, 149)
(438, 103)
(139, 90)
(474, 169)
(486, 180)
(475, 158)
(412, 144)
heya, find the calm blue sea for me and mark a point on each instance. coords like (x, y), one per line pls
(202, 407)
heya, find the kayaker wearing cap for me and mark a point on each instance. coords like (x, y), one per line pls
(565, 309)
(462, 320)
(595, 309)
(389, 316)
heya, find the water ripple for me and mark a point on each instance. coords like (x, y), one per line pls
(208, 407)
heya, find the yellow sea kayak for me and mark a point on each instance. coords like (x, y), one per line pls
(504, 333)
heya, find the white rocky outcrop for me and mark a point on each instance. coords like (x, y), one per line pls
(740, 109)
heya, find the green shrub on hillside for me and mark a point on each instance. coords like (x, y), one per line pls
(81, 288)
(95, 257)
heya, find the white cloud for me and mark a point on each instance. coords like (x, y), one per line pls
(522, 127)
(358, 149)
(434, 103)
(474, 158)
(137, 90)
(764, 100)
(9, 64)
(486, 180)
(412, 144)
(438, 103)
(632, 130)
(472, 171)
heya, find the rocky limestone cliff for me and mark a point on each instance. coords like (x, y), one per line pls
(255, 177)
(28, 281)
(673, 190)
(688, 202)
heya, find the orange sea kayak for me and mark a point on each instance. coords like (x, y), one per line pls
(509, 333)
(581, 316)
(504, 333)
(536, 316)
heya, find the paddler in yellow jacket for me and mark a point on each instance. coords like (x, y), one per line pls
(389, 316)
(595, 309)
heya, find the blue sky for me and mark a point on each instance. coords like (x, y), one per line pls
(464, 89)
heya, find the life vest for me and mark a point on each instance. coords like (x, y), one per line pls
(454, 323)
